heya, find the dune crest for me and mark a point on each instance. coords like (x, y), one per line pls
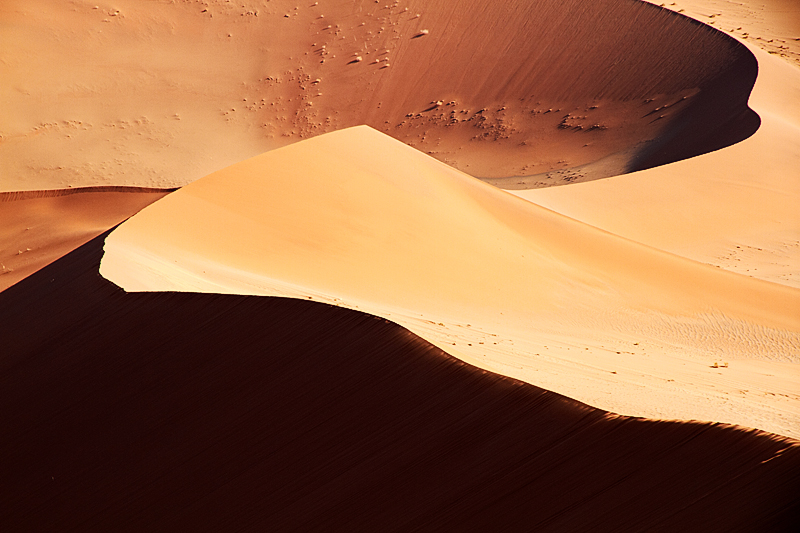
(772, 25)
(358, 219)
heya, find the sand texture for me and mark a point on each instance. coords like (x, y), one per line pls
(772, 25)
(207, 412)
(735, 208)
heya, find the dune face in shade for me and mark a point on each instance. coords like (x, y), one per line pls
(159, 94)
(361, 220)
(164, 412)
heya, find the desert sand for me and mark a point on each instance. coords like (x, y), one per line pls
(771, 25)
(157, 412)
(735, 208)
(160, 94)
(498, 348)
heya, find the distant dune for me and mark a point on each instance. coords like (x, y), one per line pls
(202, 412)
(159, 94)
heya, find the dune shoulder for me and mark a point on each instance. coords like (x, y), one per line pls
(735, 208)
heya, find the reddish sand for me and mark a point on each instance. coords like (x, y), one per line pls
(159, 94)
(736, 208)
(38, 227)
(165, 412)
(772, 25)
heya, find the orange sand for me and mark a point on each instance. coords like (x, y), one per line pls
(158, 94)
(161, 94)
(735, 208)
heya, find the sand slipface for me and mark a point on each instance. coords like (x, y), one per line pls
(220, 411)
(772, 25)
(158, 94)
(358, 219)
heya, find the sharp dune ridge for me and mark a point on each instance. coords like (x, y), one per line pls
(164, 411)
(546, 91)
(735, 208)
(55, 193)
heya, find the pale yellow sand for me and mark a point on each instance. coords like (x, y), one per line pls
(736, 208)
(358, 219)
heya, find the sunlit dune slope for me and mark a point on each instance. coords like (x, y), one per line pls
(204, 412)
(38, 227)
(736, 208)
(159, 94)
(357, 218)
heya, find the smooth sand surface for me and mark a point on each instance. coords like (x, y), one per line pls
(735, 208)
(361, 220)
(207, 412)
(158, 94)
(38, 227)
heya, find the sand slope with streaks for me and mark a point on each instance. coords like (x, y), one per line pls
(735, 208)
(158, 94)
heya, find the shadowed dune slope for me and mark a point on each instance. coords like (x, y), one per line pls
(38, 227)
(772, 25)
(164, 411)
(160, 94)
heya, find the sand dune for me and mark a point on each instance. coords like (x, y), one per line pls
(361, 220)
(735, 208)
(38, 227)
(159, 94)
(169, 410)
(157, 412)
